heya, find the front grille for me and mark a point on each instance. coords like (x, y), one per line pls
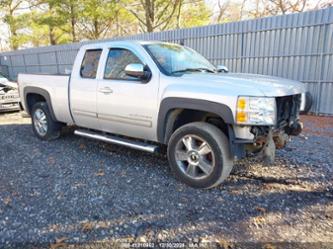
(9, 98)
(288, 108)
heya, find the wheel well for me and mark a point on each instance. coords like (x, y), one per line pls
(33, 98)
(179, 117)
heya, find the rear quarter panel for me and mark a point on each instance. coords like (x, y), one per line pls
(57, 88)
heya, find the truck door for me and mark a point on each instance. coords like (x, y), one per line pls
(125, 104)
(83, 90)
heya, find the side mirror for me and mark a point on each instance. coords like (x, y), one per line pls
(222, 69)
(139, 71)
(135, 70)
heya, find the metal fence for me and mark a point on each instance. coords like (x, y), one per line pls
(296, 46)
(4, 70)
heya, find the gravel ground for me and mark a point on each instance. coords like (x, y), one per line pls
(78, 191)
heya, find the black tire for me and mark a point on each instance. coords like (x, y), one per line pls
(308, 102)
(53, 130)
(219, 145)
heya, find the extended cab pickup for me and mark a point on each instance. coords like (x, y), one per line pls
(147, 94)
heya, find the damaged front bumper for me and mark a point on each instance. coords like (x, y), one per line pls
(6, 107)
(9, 103)
(262, 141)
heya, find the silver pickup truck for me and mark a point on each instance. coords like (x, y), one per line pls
(148, 94)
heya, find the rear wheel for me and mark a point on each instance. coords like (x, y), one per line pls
(43, 125)
(199, 155)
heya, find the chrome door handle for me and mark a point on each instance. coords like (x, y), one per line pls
(106, 90)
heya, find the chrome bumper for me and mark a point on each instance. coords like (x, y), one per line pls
(9, 106)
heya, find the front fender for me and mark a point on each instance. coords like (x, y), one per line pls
(172, 103)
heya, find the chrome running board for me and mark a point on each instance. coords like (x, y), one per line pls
(117, 140)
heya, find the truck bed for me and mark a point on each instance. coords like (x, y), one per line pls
(56, 85)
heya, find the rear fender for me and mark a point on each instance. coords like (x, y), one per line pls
(42, 92)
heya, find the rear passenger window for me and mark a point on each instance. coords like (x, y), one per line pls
(90, 63)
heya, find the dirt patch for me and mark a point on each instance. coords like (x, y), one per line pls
(318, 125)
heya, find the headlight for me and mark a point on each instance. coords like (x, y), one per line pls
(256, 111)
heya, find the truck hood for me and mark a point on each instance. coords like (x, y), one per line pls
(251, 84)
(7, 86)
(6, 83)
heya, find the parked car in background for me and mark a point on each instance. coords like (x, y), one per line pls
(9, 95)
(144, 94)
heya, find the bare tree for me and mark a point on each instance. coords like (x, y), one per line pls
(260, 9)
(181, 2)
(153, 15)
(275, 7)
(242, 9)
(230, 11)
(321, 4)
(223, 7)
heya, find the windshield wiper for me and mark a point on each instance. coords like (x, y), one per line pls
(199, 69)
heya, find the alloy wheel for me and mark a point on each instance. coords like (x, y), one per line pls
(40, 122)
(194, 157)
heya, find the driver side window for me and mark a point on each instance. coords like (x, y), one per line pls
(118, 59)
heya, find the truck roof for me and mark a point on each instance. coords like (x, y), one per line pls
(118, 42)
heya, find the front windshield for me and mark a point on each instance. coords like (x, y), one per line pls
(174, 59)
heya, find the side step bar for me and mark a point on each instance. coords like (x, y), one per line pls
(117, 140)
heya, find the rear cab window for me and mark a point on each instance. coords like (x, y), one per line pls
(90, 63)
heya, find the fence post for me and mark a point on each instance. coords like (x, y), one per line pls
(24, 64)
(57, 61)
(242, 51)
(10, 71)
(320, 76)
(38, 62)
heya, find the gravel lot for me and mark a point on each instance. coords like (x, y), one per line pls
(77, 191)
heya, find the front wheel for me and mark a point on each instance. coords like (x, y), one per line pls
(199, 155)
(43, 125)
